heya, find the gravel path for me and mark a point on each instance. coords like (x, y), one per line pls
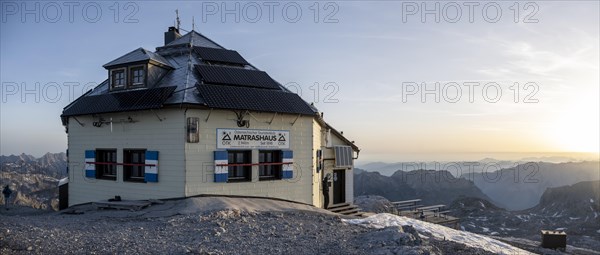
(163, 229)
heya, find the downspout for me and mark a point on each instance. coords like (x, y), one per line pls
(185, 152)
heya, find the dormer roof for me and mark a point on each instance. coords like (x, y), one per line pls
(138, 55)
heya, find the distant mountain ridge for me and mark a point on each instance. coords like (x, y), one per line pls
(520, 187)
(51, 164)
(433, 187)
(485, 164)
(457, 168)
(33, 180)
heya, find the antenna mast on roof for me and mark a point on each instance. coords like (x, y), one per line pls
(193, 24)
(177, 19)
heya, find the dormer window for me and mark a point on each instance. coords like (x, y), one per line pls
(117, 78)
(128, 77)
(137, 75)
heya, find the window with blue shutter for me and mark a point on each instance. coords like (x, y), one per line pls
(288, 166)
(221, 172)
(90, 169)
(151, 172)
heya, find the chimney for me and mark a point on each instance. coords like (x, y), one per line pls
(171, 35)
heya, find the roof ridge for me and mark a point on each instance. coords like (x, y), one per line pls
(211, 40)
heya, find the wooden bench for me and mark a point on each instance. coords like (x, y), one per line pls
(431, 208)
(434, 209)
(407, 204)
(444, 214)
(132, 205)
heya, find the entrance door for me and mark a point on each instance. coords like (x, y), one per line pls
(339, 186)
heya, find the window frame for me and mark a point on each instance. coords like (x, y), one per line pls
(232, 171)
(112, 79)
(128, 159)
(276, 170)
(193, 130)
(101, 169)
(131, 76)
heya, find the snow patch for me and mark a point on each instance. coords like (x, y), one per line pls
(523, 217)
(439, 232)
(591, 200)
(481, 203)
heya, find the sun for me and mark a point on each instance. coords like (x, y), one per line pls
(577, 129)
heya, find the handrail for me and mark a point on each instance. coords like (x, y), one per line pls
(118, 164)
(258, 164)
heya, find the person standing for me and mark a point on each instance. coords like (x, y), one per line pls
(6, 192)
(325, 184)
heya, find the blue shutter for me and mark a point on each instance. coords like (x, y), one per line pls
(288, 169)
(221, 172)
(90, 169)
(319, 160)
(151, 172)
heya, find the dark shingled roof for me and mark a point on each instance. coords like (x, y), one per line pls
(220, 55)
(120, 101)
(187, 79)
(195, 39)
(236, 77)
(256, 99)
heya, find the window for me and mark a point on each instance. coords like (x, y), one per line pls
(104, 168)
(137, 75)
(239, 173)
(134, 173)
(117, 78)
(268, 171)
(192, 130)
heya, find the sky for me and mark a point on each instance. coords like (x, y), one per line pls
(422, 80)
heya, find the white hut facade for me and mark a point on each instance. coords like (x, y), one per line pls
(193, 118)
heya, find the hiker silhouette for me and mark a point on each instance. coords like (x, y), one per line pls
(6, 192)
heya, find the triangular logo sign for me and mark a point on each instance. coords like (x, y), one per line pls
(226, 137)
(281, 138)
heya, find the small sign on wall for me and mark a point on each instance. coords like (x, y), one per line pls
(252, 139)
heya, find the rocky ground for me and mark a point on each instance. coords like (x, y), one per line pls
(201, 227)
(574, 209)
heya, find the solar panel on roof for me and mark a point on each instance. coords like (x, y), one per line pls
(236, 77)
(120, 101)
(244, 98)
(220, 55)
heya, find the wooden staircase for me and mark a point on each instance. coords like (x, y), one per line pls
(346, 209)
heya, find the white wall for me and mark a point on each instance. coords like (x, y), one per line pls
(200, 159)
(166, 136)
(187, 169)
